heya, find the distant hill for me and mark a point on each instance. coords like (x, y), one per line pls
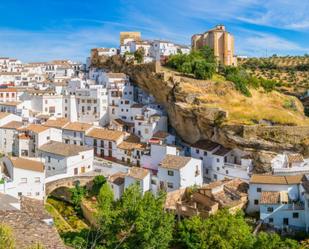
(291, 71)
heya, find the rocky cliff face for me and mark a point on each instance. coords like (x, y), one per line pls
(193, 121)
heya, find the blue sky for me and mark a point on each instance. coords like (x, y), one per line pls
(40, 30)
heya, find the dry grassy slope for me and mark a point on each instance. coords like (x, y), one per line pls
(293, 82)
(215, 110)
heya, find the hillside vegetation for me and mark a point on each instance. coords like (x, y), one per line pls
(267, 107)
(291, 72)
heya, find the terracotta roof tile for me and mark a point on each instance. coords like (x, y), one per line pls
(36, 128)
(273, 197)
(138, 173)
(63, 149)
(12, 125)
(27, 164)
(279, 180)
(56, 123)
(77, 126)
(105, 134)
(295, 158)
(174, 162)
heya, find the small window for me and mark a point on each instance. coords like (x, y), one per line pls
(295, 215)
(37, 180)
(205, 153)
(170, 173)
(270, 209)
(227, 172)
(48, 159)
(256, 202)
(259, 190)
(197, 151)
(271, 220)
(206, 171)
(37, 193)
(170, 185)
(83, 157)
(218, 168)
(218, 160)
(20, 193)
(153, 182)
(23, 180)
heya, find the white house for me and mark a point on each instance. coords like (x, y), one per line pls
(131, 150)
(116, 182)
(138, 176)
(32, 137)
(220, 162)
(92, 104)
(151, 158)
(8, 132)
(23, 177)
(161, 49)
(66, 159)
(282, 201)
(104, 142)
(290, 164)
(74, 132)
(177, 172)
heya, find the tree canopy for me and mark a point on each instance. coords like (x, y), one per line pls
(201, 63)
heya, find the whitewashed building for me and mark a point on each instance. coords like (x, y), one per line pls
(177, 172)
(22, 177)
(282, 201)
(138, 176)
(104, 142)
(66, 159)
(74, 132)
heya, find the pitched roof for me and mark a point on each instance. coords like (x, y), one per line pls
(12, 125)
(36, 128)
(174, 162)
(273, 197)
(222, 151)
(77, 126)
(105, 134)
(161, 134)
(205, 145)
(117, 178)
(138, 173)
(63, 149)
(279, 180)
(295, 158)
(27, 164)
(56, 123)
(132, 142)
(4, 114)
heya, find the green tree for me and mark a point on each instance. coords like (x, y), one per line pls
(222, 230)
(6, 237)
(77, 195)
(98, 182)
(135, 221)
(139, 55)
(273, 241)
(208, 54)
